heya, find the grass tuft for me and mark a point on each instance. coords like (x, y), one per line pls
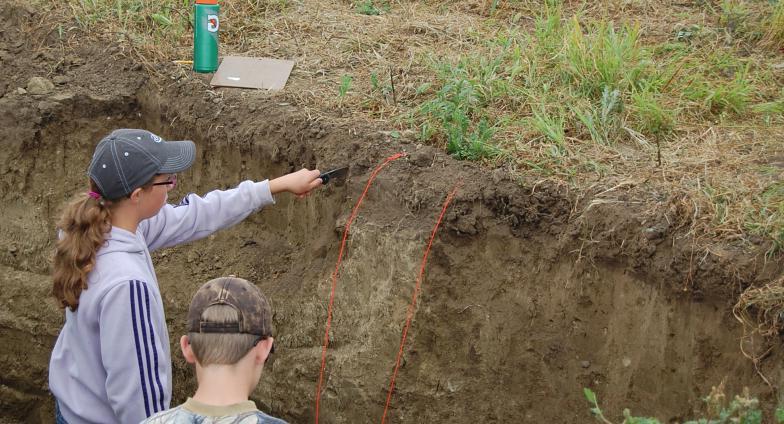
(774, 27)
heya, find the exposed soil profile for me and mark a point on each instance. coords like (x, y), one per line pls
(531, 292)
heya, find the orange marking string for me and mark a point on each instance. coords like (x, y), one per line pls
(412, 305)
(335, 275)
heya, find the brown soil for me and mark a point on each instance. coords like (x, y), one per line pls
(531, 293)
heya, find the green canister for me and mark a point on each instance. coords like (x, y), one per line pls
(205, 35)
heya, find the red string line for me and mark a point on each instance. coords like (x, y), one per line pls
(335, 275)
(412, 305)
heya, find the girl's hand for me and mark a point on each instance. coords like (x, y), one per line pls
(300, 182)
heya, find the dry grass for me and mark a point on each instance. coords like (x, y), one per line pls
(761, 309)
(698, 117)
(761, 312)
(774, 31)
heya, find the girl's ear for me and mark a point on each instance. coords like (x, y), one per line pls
(187, 351)
(135, 195)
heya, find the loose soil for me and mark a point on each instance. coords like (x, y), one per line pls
(531, 292)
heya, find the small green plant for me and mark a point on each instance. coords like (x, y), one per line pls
(652, 117)
(386, 89)
(603, 58)
(596, 411)
(372, 7)
(161, 19)
(464, 143)
(771, 110)
(552, 127)
(734, 16)
(456, 114)
(602, 122)
(723, 96)
(345, 85)
(548, 31)
(452, 111)
(743, 409)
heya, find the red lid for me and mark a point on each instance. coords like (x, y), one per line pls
(206, 1)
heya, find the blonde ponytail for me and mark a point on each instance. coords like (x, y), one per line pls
(83, 227)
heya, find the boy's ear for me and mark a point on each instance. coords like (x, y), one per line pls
(187, 352)
(263, 349)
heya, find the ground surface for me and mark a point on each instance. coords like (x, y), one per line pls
(533, 291)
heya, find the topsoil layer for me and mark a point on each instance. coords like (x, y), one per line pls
(531, 292)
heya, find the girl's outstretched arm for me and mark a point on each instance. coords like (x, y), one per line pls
(197, 217)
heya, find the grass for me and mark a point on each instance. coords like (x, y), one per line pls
(166, 21)
(766, 218)
(774, 27)
(687, 98)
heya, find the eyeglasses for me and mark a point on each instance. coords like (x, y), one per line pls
(172, 181)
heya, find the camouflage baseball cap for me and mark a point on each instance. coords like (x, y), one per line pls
(255, 314)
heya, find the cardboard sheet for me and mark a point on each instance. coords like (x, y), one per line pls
(252, 72)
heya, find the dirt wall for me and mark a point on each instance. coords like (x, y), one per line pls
(531, 292)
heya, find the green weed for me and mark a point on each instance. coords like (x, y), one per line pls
(723, 96)
(548, 31)
(652, 117)
(743, 409)
(602, 120)
(455, 115)
(603, 59)
(372, 7)
(551, 126)
(734, 16)
(345, 85)
(770, 109)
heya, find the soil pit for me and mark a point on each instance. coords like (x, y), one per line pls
(529, 295)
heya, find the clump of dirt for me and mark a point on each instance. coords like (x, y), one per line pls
(531, 292)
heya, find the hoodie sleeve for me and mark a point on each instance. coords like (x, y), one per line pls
(197, 217)
(132, 352)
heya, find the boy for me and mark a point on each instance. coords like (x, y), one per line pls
(229, 339)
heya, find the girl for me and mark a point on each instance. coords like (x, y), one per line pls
(111, 362)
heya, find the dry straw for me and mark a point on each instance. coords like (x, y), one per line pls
(761, 312)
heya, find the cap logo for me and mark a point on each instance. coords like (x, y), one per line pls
(156, 139)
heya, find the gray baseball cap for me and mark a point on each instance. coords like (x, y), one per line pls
(127, 159)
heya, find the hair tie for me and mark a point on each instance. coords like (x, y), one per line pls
(94, 195)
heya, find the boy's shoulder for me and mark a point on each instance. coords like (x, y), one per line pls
(173, 415)
(266, 419)
(181, 415)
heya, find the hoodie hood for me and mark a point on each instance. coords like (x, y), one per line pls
(121, 240)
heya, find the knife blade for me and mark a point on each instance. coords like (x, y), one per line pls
(335, 173)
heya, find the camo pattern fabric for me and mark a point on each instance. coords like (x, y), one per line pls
(180, 415)
(253, 308)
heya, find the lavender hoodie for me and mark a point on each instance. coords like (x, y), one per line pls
(111, 362)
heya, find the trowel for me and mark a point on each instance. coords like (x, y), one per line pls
(335, 173)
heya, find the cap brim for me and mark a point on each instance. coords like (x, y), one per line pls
(180, 156)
